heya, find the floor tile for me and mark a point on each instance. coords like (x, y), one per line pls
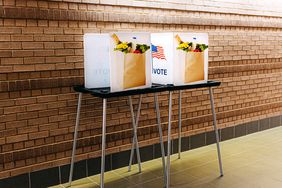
(251, 161)
(81, 183)
(112, 179)
(156, 183)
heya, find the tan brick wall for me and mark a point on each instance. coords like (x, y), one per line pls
(41, 50)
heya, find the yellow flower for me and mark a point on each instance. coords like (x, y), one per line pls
(122, 46)
(184, 45)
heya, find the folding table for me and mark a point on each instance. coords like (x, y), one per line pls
(105, 93)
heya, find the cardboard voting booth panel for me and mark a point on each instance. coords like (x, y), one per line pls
(191, 58)
(96, 60)
(179, 58)
(123, 61)
(162, 58)
(130, 61)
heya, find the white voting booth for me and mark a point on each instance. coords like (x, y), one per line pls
(116, 60)
(121, 61)
(125, 61)
(178, 59)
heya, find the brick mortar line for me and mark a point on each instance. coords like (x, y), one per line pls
(58, 74)
(53, 14)
(244, 62)
(41, 83)
(245, 68)
(233, 74)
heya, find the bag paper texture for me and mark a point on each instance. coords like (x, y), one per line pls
(194, 67)
(134, 70)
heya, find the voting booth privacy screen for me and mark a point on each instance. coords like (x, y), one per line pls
(96, 60)
(179, 58)
(125, 61)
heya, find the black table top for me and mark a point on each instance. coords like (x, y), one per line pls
(106, 92)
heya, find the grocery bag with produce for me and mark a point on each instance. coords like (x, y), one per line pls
(130, 61)
(192, 57)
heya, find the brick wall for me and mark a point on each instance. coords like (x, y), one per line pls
(41, 50)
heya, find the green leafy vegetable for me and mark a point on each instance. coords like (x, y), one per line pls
(201, 47)
(142, 48)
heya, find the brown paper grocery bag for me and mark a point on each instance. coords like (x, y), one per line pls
(134, 70)
(194, 67)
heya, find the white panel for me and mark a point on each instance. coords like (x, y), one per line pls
(96, 60)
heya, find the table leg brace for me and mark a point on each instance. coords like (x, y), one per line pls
(216, 131)
(160, 133)
(135, 144)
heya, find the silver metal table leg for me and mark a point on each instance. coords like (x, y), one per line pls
(160, 133)
(168, 141)
(103, 143)
(216, 131)
(75, 137)
(179, 124)
(135, 144)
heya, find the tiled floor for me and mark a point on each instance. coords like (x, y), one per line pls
(253, 161)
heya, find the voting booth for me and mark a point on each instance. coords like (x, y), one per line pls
(121, 61)
(121, 64)
(179, 58)
(125, 61)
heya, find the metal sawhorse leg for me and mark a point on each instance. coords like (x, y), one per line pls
(103, 141)
(75, 137)
(134, 140)
(216, 131)
(167, 183)
(135, 145)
